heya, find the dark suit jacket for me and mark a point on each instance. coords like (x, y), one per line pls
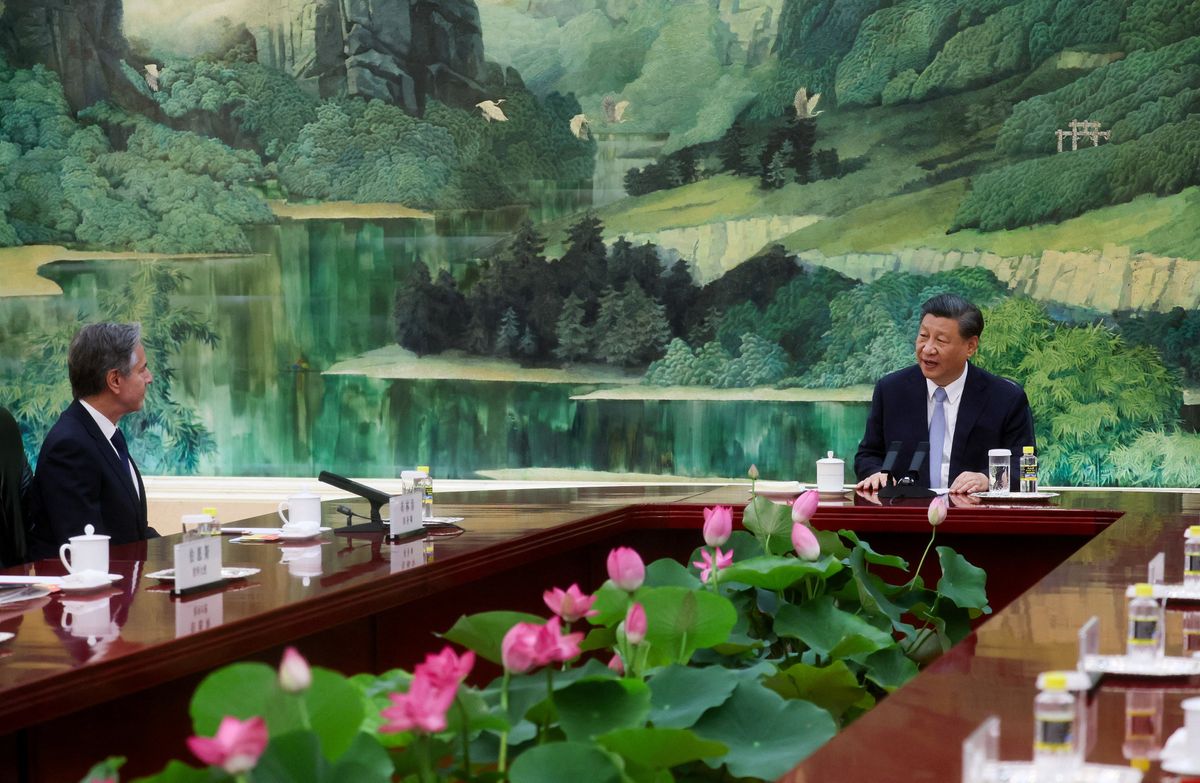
(15, 479)
(79, 480)
(993, 413)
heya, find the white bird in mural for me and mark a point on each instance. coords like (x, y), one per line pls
(492, 111)
(581, 127)
(619, 110)
(151, 76)
(805, 105)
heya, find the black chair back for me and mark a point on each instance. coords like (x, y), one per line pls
(15, 477)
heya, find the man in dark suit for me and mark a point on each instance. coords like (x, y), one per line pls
(15, 479)
(961, 410)
(84, 472)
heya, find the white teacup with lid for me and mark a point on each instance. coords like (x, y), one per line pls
(831, 474)
(303, 512)
(89, 553)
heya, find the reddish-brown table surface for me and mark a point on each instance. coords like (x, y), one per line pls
(374, 605)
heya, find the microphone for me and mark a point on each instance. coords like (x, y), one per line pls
(377, 498)
(918, 459)
(889, 460)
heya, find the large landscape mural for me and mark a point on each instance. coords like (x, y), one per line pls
(586, 238)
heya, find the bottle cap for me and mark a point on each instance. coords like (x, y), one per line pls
(424, 469)
(210, 510)
(1027, 449)
(1143, 590)
(1193, 531)
(1140, 763)
(1054, 681)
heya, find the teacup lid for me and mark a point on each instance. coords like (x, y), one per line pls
(999, 453)
(829, 459)
(90, 534)
(409, 475)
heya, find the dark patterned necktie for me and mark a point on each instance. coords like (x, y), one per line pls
(118, 442)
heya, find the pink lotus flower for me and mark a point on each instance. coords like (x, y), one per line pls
(295, 676)
(433, 689)
(519, 650)
(753, 472)
(938, 508)
(571, 604)
(616, 664)
(528, 646)
(557, 646)
(718, 525)
(423, 708)
(804, 542)
(635, 624)
(707, 563)
(445, 669)
(235, 748)
(626, 569)
(805, 506)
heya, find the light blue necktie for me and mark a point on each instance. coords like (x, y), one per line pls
(937, 437)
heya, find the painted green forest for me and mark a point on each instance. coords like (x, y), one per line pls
(613, 223)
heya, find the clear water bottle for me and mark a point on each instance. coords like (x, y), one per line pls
(1145, 639)
(1055, 740)
(1029, 467)
(1191, 555)
(425, 483)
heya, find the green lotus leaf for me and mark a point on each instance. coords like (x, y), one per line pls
(829, 630)
(895, 561)
(577, 762)
(589, 708)
(679, 695)
(770, 523)
(772, 572)
(834, 687)
(961, 582)
(766, 734)
(679, 621)
(667, 572)
(889, 668)
(660, 748)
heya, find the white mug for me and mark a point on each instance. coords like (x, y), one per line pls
(89, 552)
(303, 511)
(831, 474)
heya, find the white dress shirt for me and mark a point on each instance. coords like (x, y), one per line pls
(109, 429)
(954, 392)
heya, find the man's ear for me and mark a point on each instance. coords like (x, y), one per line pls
(972, 346)
(112, 379)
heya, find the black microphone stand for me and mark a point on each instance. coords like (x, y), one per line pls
(906, 487)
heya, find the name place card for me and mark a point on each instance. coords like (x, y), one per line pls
(197, 562)
(405, 514)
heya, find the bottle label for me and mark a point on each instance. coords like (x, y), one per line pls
(1054, 732)
(1192, 566)
(1143, 630)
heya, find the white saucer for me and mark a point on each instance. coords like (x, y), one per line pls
(1014, 496)
(81, 583)
(301, 535)
(228, 572)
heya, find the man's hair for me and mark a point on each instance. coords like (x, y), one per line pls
(98, 348)
(970, 319)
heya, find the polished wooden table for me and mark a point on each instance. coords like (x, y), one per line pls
(359, 603)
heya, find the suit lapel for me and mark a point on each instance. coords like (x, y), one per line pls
(972, 403)
(109, 455)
